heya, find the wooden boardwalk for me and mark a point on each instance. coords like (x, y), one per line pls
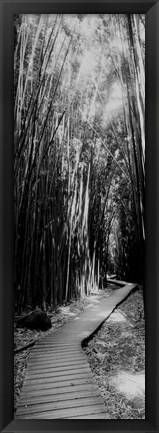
(59, 382)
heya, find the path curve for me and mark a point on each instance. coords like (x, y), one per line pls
(59, 382)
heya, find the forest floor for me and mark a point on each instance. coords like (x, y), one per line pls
(115, 353)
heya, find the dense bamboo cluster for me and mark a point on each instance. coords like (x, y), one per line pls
(71, 172)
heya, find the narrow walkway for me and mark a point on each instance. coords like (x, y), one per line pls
(59, 382)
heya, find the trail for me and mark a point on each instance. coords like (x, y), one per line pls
(59, 382)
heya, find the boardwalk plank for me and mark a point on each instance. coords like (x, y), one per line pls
(43, 407)
(57, 391)
(49, 360)
(55, 357)
(101, 415)
(56, 350)
(57, 373)
(55, 368)
(57, 378)
(65, 413)
(41, 365)
(60, 384)
(90, 392)
(62, 345)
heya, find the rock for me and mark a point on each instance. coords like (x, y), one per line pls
(37, 319)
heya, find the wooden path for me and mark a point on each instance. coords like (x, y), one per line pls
(59, 382)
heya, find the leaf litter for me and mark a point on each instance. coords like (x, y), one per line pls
(116, 355)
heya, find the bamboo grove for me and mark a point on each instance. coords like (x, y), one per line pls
(79, 173)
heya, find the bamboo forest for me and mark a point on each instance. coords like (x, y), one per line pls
(79, 154)
(79, 180)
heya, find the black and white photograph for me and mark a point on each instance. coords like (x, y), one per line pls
(79, 216)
